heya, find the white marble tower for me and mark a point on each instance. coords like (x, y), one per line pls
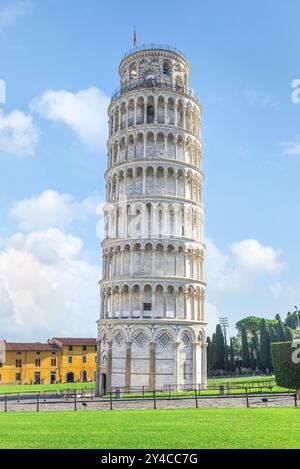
(151, 330)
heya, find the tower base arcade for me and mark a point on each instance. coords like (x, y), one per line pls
(144, 355)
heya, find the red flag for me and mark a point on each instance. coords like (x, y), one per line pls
(134, 38)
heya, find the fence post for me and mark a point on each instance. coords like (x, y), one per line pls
(169, 391)
(75, 401)
(295, 399)
(247, 397)
(154, 400)
(110, 399)
(143, 391)
(5, 403)
(37, 402)
(92, 393)
(196, 398)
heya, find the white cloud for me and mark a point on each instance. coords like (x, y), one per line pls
(53, 209)
(10, 12)
(244, 265)
(18, 134)
(291, 148)
(85, 112)
(45, 287)
(49, 246)
(254, 257)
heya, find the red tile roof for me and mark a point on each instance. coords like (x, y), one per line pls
(30, 346)
(73, 341)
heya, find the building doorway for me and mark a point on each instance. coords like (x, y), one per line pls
(102, 383)
(84, 376)
(37, 378)
(53, 377)
(70, 377)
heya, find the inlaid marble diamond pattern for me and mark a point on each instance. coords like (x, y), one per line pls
(140, 338)
(185, 339)
(164, 339)
(119, 338)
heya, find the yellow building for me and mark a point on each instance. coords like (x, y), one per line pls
(78, 360)
(60, 360)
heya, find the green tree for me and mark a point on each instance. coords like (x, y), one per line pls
(231, 357)
(273, 335)
(209, 353)
(252, 360)
(264, 346)
(289, 334)
(245, 349)
(255, 348)
(292, 319)
(250, 323)
(277, 317)
(219, 351)
(280, 332)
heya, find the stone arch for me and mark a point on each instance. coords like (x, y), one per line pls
(150, 110)
(160, 110)
(133, 73)
(150, 145)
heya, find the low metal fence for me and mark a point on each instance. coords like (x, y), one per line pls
(151, 399)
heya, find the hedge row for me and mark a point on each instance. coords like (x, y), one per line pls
(287, 373)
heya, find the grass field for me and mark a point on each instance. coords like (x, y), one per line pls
(166, 429)
(13, 388)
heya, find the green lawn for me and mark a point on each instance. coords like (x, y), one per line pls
(13, 388)
(215, 382)
(182, 428)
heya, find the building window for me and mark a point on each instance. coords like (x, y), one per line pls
(53, 361)
(18, 353)
(53, 353)
(18, 363)
(37, 362)
(84, 348)
(70, 359)
(38, 353)
(70, 348)
(84, 359)
(18, 376)
(147, 307)
(95, 348)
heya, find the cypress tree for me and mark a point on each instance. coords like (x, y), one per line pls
(219, 352)
(231, 357)
(289, 334)
(209, 353)
(264, 346)
(273, 335)
(252, 360)
(213, 346)
(281, 334)
(245, 349)
(255, 348)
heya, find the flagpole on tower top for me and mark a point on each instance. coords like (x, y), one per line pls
(134, 37)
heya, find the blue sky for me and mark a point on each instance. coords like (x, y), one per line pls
(61, 57)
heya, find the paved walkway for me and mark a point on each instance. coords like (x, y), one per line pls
(30, 404)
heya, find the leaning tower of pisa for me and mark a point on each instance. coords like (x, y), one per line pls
(151, 330)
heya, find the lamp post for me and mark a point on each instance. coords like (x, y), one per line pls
(224, 324)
